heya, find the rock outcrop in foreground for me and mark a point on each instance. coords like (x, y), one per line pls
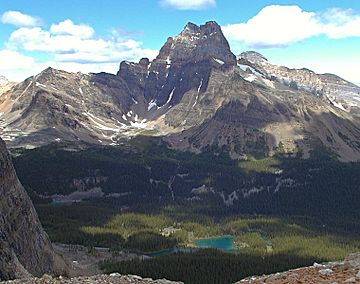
(347, 271)
(114, 278)
(25, 248)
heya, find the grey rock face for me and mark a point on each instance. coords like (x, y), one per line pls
(183, 63)
(24, 247)
(196, 43)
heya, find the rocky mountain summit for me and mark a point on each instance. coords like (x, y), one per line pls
(196, 95)
(25, 248)
(347, 271)
(184, 63)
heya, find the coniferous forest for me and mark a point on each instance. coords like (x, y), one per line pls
(286, 212)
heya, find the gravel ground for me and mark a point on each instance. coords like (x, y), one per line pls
(347, 271)
(114, 278)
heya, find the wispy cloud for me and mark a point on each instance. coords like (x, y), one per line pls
(277, 26)
(19, 19)
(188, 4)
(340, 23)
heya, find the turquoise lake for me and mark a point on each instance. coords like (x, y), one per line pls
(225, 243)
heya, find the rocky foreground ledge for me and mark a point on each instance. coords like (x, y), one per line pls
(113, 278)
(347, 271)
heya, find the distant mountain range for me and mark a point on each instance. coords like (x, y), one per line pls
(3, 81)
(5, 84)
(196, 94)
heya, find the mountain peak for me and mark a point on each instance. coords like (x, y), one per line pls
(212, 23)
(3, 81)
(196, 43)
(191, 26)
(212, 26)
(190, 55)
(252, 56)
(49, 70)
(209, 26)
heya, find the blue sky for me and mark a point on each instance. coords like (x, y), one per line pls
(93, 36)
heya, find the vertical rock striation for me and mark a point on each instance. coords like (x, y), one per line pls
(24, 246)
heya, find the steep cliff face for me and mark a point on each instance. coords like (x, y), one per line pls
(184, 63)
(24, 247)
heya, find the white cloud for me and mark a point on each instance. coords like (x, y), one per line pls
(15, 65)
(188, 4)
(19, 19)
(67, 27)
(68, 46)
(339, 23)
(276, 26)
(11, 60)
(76, 48)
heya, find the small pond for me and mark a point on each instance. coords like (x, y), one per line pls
(225, 243)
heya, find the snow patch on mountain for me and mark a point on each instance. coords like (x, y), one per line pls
(170, 96)
(219, 61)
(37, 84)
(152, 104)
(250, 78)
